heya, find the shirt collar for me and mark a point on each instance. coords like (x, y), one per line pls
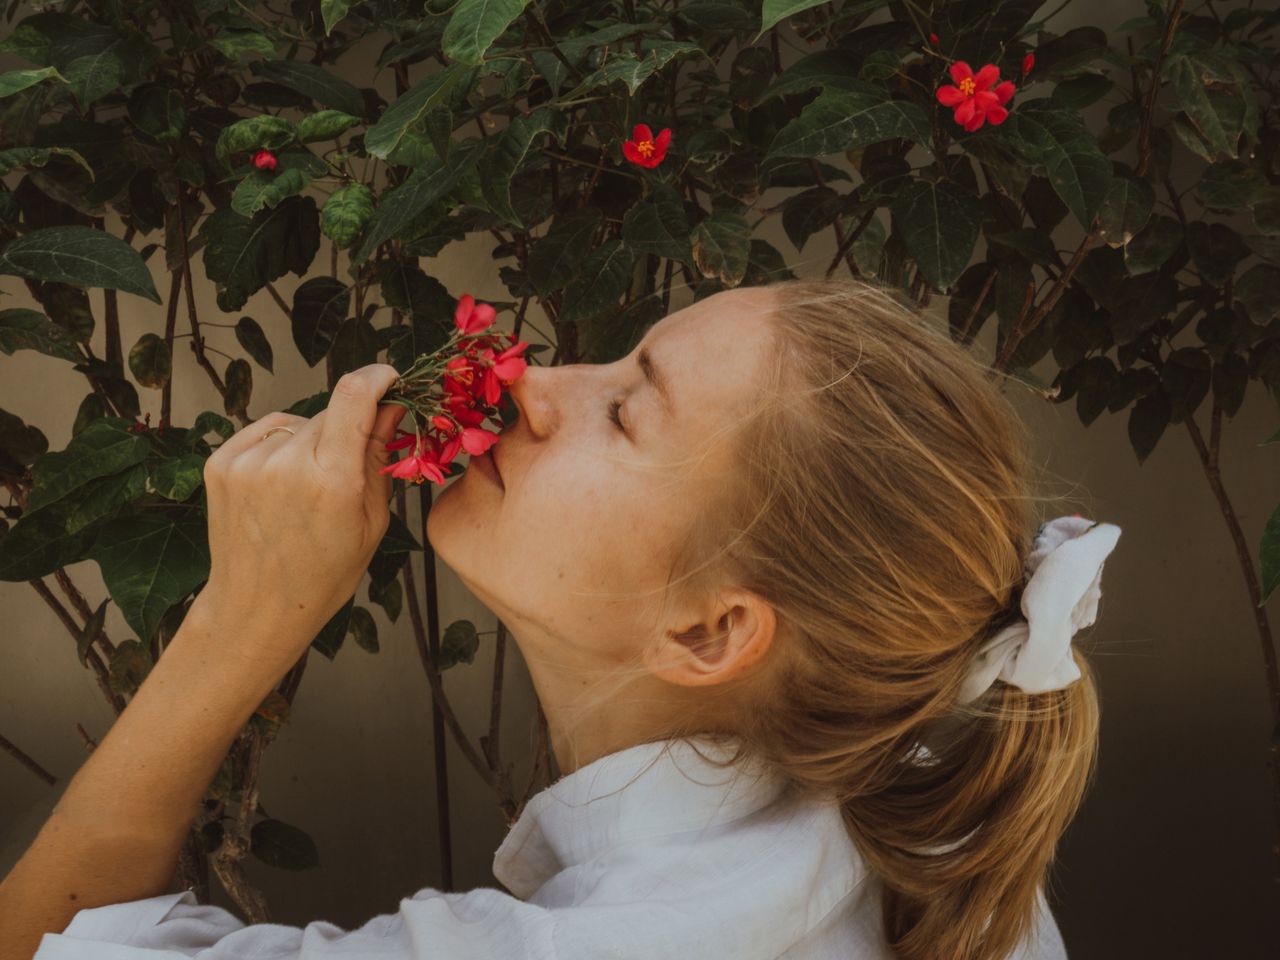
(641, 792)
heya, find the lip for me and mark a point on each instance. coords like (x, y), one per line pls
(485, 464)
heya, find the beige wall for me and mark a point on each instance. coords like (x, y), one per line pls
(1169, 857)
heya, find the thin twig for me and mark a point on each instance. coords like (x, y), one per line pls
(14, 751)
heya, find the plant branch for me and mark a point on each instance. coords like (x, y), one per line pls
(13, 750)
(1144, 127)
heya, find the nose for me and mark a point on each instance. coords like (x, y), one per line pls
(532, 393)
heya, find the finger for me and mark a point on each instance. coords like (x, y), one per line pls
(347, 428)
(384, 431)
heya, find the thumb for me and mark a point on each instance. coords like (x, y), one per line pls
(385, 423)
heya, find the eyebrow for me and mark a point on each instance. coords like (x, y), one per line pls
(656, 379)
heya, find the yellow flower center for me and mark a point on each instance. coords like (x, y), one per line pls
(645, 148)
(967, 86)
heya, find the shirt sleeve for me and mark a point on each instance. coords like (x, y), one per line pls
(479, 924)
(1045, 940)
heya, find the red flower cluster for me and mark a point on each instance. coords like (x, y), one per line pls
(472, 381)
(977, 98)
(265, 160)
(643, 148)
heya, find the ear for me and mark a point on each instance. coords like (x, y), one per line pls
(733, 634)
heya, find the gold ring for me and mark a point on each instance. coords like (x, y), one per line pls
(274, 429)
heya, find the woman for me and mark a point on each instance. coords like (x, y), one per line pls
(769, 584)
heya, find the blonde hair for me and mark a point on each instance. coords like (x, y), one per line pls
(882, 505)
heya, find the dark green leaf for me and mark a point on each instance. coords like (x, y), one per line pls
(1269, 555)
(1186, 379)
(459, 644)
(364, 629)
(721, 247)
(507, 151)
(1189, 84)
(150, 361)
(1230, 185)
(23, 329)
(1230, 380)
(20, 443)
(1147, 421)
(389, 596)
(105, 497)
(1151, 248)
(280, 845)
(179, 477)
(104, 447)
(150, 561)
(606, 275)
(475, 24)
(403, 115)
(809, 211)
(659, 225)
(1057, 143)
(254, 342)
(848, 120)
(78, 255)
(329, 640)
(210, 422)
(354, 345)
(91, 408)
(320, 306)
(312, 81)
(242, 255)
(939, 224)
(239, 377)
(557, 257)
(1125, 210)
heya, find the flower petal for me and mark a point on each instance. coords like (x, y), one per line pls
(662, 140)
(977, 121)
(950, 96)
(984, 100)
(960, 71)
(1004, 91)
(641, 132)
(965, 112)
(631, 153)
(987, 76)
(997, 115)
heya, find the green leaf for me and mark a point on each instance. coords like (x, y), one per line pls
(354, 345)
(104, 447)
(23, 329)
(1125, 210)
(939, 224)
(849, 120)
(401, 205)
(242, 255)
(320, 306)
(17, 80)
(331, 636)
(722, 246)
(398, 538)
(1230, 380)
(426, 303)
(1269, 555)
(346, 213)
(92, 407)
(364, 629)
(89, 632)
(150, 361)
(1186, 379)
(266, 188)
(389, 596)
(129, 666)
(507, 153)
(105, 497)
(807, 212)
(254, 341)
(1057, 143)
(280, 845)
(81, 256)
(232, 43)
(210, 422)
(19, 443)
(458, 645)
(312, 81)
(606, 275)
(239, 382)
(1189, 85)
(325, 125)
(659, 225)
(557, 257)
(150, 561)
(178, 477)
(1230, 185)
(774, 11)
(403, 115)
(1152, 247)
(333, 11)
(263, 132)
(38, 544)
(825, 69)
(475, 24)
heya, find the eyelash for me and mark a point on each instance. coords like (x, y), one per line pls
(614, 407)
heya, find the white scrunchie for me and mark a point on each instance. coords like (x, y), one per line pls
(1060, 597)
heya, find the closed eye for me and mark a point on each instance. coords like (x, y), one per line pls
(614, 407)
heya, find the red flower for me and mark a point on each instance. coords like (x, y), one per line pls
(643, 148)
(264, 160)
(933, 38)
(977, 98)
(471, 317)
(1028, 62)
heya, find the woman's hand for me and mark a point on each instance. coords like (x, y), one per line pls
(295, 520)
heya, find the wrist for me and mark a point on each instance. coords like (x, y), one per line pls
(262, 642)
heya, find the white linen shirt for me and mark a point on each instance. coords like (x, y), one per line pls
(639, 855)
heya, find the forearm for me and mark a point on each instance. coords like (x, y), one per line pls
(115, 834)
